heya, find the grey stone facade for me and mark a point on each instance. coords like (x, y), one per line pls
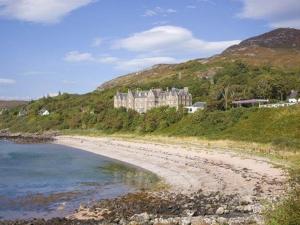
(142, 101)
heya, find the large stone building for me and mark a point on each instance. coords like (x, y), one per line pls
(141, 101)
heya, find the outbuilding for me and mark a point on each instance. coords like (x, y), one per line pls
(196, 106)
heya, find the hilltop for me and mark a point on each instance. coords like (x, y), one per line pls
(278, 49)
(11, 104)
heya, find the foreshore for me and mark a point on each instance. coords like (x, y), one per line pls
(189, 168)
(204, 184)
(27, 138)
(220, 183)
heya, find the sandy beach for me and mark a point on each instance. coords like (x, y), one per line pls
(190, 168)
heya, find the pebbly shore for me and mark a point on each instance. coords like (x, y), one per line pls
(27, 138)
(234, 187)
(158, 208)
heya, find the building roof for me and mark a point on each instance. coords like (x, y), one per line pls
(156, 92)
(293, 94)
(199, 104)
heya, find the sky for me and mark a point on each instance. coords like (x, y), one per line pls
(73, 46)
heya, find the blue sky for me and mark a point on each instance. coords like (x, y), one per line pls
(74, 45)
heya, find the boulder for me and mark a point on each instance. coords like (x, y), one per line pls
(220, 211)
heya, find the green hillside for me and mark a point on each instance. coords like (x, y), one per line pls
(238, 73)
(95, 111)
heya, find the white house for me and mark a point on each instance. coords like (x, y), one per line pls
(293, 97)
(195, 107)
(44, 112)
(293, 100)
(22, 112)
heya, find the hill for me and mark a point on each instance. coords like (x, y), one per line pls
(11, 104)
(218, 82)
(278, 49)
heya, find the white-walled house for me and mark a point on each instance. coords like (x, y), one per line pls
(292, 100)
(293, 97)
(195, 107)
(44, 112)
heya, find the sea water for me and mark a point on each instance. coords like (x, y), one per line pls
(48, 180)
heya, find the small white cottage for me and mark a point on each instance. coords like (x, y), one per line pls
(195, 107)
(44, 112)
(293, 97)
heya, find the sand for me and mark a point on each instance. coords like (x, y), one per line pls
(189, 168)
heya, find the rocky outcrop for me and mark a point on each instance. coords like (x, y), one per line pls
(26, 138)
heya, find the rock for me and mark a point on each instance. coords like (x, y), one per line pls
(239, 208)
(186, 221)
(189, 212)
(246, 200)
(247, 208)
(133, 223)
(141, 218)
(220, 211)
(123, 221)
(222, 220)
(210, 211)
(197, 220)
(161, 221)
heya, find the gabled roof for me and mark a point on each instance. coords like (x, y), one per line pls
(293, 94)
(199, 104)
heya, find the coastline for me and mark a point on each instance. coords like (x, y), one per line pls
(27, 138)
(190, 168)
(204, 184)
(207, 185)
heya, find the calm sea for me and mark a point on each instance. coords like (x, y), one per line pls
(47, 180)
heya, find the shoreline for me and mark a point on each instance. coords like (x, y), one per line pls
(27, 138)
(206, 184)
(190, 168)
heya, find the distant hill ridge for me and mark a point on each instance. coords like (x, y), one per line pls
(279, 48)
(279, 38)
(11, 104)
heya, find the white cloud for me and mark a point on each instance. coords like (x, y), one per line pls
(191, 7)
(158, 11)
(39, 11)
(279, 13)
(97, 42)
(159, 45)
(119, 64)
(75, 56)
(160, 23)
(5, 81)
(142, 63)
(207, 1)
(107, 59)
(53, 94)
(163, 40)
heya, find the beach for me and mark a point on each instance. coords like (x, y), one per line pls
(189, 168)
